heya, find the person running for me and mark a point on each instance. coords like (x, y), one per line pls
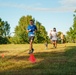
(54, 37)
(31, 29)
(46, 45)
(62, 38)
(50, 36)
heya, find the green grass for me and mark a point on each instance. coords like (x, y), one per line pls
(60, 61)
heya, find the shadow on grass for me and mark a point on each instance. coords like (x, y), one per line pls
(14, 57)
(70, 51)
(4, 51)
(50, 63)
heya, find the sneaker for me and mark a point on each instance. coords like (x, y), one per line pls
(32, 50)
(53, 46)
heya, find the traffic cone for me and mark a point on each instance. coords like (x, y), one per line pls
(2, 55)
(32, 58)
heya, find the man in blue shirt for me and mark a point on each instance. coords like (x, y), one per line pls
(31, 29)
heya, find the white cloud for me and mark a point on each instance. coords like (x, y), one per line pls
(68, 2)
(62, 8)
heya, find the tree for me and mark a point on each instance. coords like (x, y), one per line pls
(41, 35)
(21, 35)
(20, 30)
(71, 34)
(4, 31)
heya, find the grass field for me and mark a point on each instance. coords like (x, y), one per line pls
(60, 61)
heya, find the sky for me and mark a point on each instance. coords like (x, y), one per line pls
(51, 13)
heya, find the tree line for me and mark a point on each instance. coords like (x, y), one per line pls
(71, 34)
(4, 31)
(20, 33)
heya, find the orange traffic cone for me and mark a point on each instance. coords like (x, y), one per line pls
(2, 55)
(32, 58)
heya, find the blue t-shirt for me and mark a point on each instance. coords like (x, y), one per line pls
(32, 29)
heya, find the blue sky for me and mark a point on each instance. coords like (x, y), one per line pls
(51, 13)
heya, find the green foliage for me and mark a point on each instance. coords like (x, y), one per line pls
(20, 30)
(59, 37)
(41, 35)
(4, 31)
(71, 34)
(21, 35)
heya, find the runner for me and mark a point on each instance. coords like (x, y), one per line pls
(31, 29)
(54, 38)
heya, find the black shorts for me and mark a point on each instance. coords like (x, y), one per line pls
(54, 40)
(50, 37)
(31, 38)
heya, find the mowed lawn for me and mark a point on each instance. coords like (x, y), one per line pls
(59, 61)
